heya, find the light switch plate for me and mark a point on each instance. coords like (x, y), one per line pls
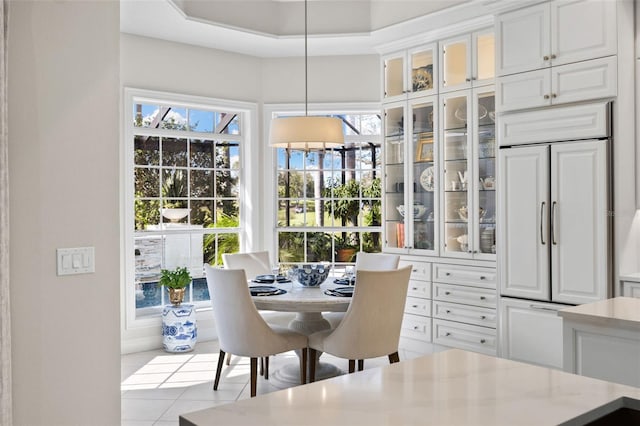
(78, 260)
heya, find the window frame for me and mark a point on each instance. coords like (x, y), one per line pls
(131, 317)
(271, 111)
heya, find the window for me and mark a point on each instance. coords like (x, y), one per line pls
(185, 193)
(329, 201)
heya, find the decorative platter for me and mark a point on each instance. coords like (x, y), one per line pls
(427, 179)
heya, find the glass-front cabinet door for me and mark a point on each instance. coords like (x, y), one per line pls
(410, 73)
(456, 174)
(410, 198)
(484, 137)
(423, 198)
(455, 63)
(469, 174)
(395, 175)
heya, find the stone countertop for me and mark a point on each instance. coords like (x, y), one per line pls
(453, 387)
(620, 312)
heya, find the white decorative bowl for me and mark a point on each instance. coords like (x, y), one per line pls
(418, 210)
(175, 214)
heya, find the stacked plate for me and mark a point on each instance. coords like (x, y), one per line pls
(487, 239)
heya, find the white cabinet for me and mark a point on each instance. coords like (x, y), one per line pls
(531, 332)
(410, 73)
(554, 221)
(464, 307)
(594, 79)
(631, 289)
(467, 60)
(554, 33)
(416, 324)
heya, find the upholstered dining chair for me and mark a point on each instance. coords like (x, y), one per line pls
(371, 325)
(241, 329)
(371, 262)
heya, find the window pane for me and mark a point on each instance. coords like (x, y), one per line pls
(147, 212)
(201, 153)
(173, 118)
(291, 247)
(228, 213)
(202, 212)
(201, 183)
(174, 152)
(143, 114)
(319, 247)
(200, 290)
(147, 182)
(147, 150)
(200, 121)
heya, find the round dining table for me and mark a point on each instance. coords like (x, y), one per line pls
(308, 303)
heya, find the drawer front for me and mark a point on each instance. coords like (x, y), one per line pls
(420, 289)
(466, 275)
(420, 271)
(485, 317)
(416, 327)
(465, 295)
(418, 306)
(463, 336)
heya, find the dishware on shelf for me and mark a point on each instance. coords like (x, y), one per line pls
(419, 210)
(427, 179)
(488, 182)
(309, 275)
(464, 242)
(461, 113)
(463, 212)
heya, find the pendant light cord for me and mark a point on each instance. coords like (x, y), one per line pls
(305, 61)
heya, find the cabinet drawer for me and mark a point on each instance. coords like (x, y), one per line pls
(416, 327)
(630, 289)
(467, 275)
(463, 336)
(465, 295)
(420, 289)
(420, 270)
(418, 306)
(485, 317)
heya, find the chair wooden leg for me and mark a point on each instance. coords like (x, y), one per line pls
(266, 368)
(218, 369)
(312, 365)
(303, 367)
(394, 357)
(254, 376)
(228, 359)
(352, 365)
(360, 364)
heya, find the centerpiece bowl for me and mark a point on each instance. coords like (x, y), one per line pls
(309, 275)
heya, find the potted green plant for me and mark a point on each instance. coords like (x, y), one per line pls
(345, 249)
(175, 282)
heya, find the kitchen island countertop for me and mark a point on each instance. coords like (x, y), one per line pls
(453, 387)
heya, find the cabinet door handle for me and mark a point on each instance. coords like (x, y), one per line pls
(482, 341)
(468, 79)
(482, 298)
(553, 95)
(544, 308)
(546, 96)
(545, 57)
(482, 277)
(447, 311)
(553, 56)
(553, 223)
(483, 317)
(541, 217)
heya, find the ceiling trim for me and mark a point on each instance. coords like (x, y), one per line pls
(162, 19)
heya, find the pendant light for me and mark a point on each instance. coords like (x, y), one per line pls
(306, 132)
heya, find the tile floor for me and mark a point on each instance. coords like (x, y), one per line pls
(158, 386)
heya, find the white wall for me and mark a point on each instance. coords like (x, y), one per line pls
(64, 181)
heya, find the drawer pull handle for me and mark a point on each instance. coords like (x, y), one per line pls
(447, 334)
(482, 340)
(448, 311)
(414, 306)
(482, 277)
(447, 293)
(414, 270)
(483, 317)
(414, 288)
(482, 298)
(415, 327)
(447, 273)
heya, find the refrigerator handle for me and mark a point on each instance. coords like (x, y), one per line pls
(553, 221)
(541, 220)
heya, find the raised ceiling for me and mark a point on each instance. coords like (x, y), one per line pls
(275, 28)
